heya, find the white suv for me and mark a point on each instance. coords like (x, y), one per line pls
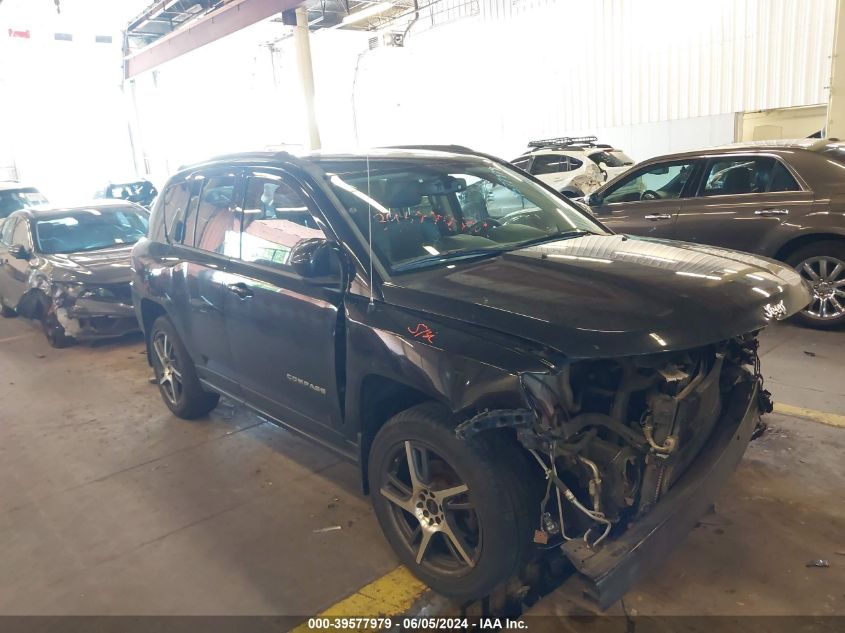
(574, 166)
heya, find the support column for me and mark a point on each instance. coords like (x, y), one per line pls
(301, 39)
(836, 104)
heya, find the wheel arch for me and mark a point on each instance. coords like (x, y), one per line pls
(801, 241)
(150, 311)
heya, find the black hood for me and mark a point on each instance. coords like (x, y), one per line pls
(105, 266)
(603, 296)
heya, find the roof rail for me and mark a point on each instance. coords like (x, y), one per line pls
(564, 141)
(455, 149)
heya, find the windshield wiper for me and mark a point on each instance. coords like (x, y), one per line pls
(559, 235)
(424, 262)
(477, 253)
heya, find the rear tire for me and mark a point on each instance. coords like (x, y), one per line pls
(6, 312)
(176, 374)
(489, 518)
(822, 264)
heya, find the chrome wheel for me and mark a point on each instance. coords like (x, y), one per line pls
(432, 509)
(826, 275)
(167, 369)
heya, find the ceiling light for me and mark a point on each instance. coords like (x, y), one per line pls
(364, 14)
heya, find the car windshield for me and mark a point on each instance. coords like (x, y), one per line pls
(12, 200)
(428, 211)
(90, 229)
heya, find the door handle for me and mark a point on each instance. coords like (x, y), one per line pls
(771, 212)
(241, 289)
(658, 216)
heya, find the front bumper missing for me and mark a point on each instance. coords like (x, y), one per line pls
(87, 319)
(612, 569)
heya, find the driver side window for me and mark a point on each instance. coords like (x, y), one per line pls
(658, 182)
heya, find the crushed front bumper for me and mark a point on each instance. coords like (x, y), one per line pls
(613, 568)
(88, 319)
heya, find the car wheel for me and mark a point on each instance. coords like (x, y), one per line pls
(176, 374)
(455, 511)
(53, 330)
(822, 264)
(5, 311)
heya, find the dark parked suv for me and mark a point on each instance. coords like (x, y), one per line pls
(781, 199)
(510, 376)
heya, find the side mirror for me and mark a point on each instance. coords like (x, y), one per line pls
(18, 251)
(316, 260)
(592, 200)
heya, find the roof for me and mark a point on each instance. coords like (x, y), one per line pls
(428, 152)
(11, 185)
(773, 146)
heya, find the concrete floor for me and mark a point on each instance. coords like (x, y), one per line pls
(110, 505)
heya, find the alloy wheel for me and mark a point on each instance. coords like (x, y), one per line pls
(432, 509)
(826, 275)
(169, 375)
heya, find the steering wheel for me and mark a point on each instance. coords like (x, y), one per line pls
(648, 194)
(483, 226)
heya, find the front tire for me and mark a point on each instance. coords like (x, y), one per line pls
(176, 374)
(455, 511)
(53, 330)
(822, 264)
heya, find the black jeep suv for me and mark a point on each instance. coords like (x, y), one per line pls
(509, 374)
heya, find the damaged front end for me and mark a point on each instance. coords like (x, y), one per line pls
(634, 451)
(81, 311)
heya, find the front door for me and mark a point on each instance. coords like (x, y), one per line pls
(283, 330)
(647, 201)
(14, 276)
(740, 201)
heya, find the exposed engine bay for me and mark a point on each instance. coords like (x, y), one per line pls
(613, 436)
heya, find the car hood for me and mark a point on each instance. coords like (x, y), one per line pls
(609, 295)
(109, 265)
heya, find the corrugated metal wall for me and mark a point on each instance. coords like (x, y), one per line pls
(554, 67)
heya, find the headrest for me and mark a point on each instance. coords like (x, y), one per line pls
(738, 180)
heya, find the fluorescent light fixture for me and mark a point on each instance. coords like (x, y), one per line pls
(369, 12)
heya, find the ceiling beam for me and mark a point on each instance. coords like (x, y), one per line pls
(231, 17)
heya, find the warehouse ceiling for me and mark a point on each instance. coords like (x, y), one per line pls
(167, 16)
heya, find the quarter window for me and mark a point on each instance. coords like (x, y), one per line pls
(658, 182)
(276, 217)
(213, 227)
(21, 234)
(522, 163)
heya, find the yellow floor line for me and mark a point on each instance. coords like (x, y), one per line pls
(391, 595)
(831, 419)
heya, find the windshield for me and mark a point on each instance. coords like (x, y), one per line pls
(13, 199)
(428, 211)
(90, 229)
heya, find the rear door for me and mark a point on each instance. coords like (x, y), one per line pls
(204, 243)
(740, 201)
(648, 199)
(285, 332)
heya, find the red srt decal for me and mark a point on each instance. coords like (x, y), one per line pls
(22, 34)
(422, 331)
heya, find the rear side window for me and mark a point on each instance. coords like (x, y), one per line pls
(549, 164)
(737, 176)
(214, 226)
